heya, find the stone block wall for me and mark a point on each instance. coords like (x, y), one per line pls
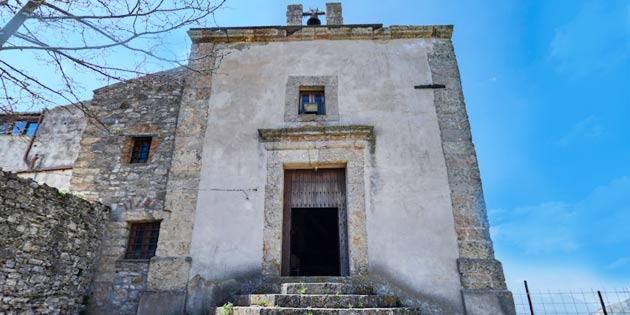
(144, 107)
(48, 247)
(483, 282)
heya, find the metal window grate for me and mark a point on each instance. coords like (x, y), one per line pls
(140, 151)
(19, 125)
(143, 240)
(312, 101)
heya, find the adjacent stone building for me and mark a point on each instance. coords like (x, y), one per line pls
(42, 145)
(325, 160)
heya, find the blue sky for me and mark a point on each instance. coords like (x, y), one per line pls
(547, 85)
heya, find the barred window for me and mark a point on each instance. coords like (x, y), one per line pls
(312, 100)
(143, 240)
(140, 151)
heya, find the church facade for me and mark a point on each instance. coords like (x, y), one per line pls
(317, 153)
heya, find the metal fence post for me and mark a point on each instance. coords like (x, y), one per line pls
(529, 299)
(601, 300)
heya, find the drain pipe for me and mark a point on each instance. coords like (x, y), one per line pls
(31, 164)
(45, 169)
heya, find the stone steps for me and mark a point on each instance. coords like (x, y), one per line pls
(237, 310)
(325, 288)
(316, 300)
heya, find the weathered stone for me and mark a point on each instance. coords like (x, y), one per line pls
(325, 288)
(308, 300)
(33, 276)
(146, 106)
(162, 302)
(345, 32)
(334, 15)
(477, 267)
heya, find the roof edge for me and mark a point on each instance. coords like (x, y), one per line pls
(319, 32)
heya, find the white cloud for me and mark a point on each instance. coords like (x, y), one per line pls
(623, 262)
(543, 277)
(539, 229)
(586, 129)
(593, 41)
(567, 245)
(599, 220)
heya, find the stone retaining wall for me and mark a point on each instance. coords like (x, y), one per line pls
(48, 243)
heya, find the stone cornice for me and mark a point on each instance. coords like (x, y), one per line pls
(304, 33)
(314, 133)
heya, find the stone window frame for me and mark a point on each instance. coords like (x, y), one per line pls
(139, 131)
(133, 225)
(284, 154)
(138, 150)
(128, 145)
(292, 98)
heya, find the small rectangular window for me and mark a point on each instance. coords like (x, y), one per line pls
(143, 239)
(18, 128)
(312, 100)
(31, 128)
(4, 127)
(140, 151)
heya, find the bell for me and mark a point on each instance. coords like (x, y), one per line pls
(314, 20)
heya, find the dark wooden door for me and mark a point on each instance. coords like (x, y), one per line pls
(316, 189)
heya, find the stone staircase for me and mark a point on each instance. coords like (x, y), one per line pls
(326, 298)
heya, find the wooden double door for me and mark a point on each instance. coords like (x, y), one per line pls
(315, 223)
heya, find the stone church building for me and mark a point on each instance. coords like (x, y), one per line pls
(317, 164)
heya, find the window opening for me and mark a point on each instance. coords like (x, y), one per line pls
(4, 127)
(312, 100)
(143, 240)
(31, 128)
(140, 151)
(18, 128)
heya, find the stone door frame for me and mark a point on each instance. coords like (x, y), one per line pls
(331, 203)
(287, 150)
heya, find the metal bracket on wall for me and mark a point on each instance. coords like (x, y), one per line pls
(429, 86)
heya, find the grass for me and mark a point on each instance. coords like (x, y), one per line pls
(302, 290)
(227, 308)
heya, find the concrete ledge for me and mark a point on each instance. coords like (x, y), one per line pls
(310, 133)
(162, 302)
(484, 302)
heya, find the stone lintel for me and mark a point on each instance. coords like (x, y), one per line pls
(314, 133)
(317, 32)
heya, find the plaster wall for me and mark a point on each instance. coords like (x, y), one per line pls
(12, 150)
(56, 145)
(410, 230)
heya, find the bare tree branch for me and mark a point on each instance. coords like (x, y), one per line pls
(72, 37)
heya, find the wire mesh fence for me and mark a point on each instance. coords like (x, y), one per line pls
(577, 302)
